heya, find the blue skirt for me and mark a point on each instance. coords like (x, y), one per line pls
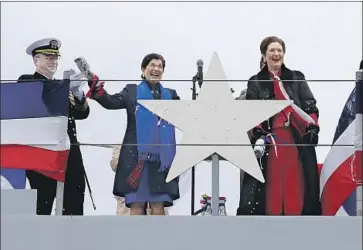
(143, 193)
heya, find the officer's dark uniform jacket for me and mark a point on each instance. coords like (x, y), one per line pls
(74, 177)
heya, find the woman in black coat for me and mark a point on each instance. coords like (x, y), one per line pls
(142, 169)
(291, 174)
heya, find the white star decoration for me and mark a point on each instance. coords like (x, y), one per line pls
(215, 119)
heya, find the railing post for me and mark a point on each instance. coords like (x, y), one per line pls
(358, 141)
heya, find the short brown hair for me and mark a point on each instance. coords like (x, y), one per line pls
(271, 39)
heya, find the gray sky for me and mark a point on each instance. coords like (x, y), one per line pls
(324, 41)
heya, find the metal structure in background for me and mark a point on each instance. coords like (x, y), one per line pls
(215, 202)
(215, 185)
(357, 173)
(60, 196)
(194, 97)
(215, 158)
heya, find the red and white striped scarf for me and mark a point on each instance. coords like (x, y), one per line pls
(299, 119)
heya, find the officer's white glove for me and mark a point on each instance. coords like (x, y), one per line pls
(259, 148)
(78, 81)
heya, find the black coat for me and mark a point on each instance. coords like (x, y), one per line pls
(252, 197)
(79, 111)
(127, 99)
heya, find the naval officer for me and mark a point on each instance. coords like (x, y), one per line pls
(46, 55)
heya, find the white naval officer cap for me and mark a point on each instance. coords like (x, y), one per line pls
(49, 46)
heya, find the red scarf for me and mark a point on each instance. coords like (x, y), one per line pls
(293, 115)
(281, 118)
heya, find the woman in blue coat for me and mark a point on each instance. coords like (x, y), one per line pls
(142, 167)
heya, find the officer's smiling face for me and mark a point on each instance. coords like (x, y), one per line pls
(46, 63)
(153, 72)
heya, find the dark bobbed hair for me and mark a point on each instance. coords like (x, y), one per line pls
(148, 58)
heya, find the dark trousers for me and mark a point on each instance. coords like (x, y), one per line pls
(74, 188)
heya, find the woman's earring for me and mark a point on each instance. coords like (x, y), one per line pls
(142, 76)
